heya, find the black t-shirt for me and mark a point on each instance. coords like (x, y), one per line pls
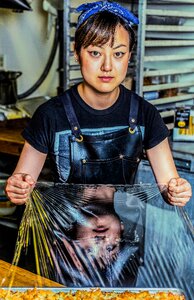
(48, 131)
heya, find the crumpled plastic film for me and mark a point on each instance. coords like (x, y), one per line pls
(108, 236)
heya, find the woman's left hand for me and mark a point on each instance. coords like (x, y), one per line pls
(179, 191)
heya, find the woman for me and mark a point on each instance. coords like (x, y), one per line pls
(97, 131)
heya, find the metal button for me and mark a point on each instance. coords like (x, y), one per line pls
(84, 161)
(75, 128)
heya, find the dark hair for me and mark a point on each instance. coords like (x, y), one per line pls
(99, 29)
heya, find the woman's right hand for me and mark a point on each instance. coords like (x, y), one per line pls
(18, 187)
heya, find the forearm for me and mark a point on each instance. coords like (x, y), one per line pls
(20, 184)
(175, 190)
(30, 162)
(162, 163)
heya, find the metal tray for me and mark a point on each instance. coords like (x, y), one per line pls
(175, 291)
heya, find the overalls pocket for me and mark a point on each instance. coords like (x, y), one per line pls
(121, 168)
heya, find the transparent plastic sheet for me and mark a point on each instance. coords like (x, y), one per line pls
(108, 236)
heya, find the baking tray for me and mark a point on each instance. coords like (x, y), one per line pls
(175, 291)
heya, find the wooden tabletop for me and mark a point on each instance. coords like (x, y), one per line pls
(11, 140)
(18, 277)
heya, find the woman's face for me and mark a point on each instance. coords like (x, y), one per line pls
(104, 67)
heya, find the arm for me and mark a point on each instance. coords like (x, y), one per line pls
(23, 179)
(162, 163)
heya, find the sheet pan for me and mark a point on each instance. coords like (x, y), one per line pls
(117, 290)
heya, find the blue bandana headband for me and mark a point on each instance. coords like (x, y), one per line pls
(89, 9)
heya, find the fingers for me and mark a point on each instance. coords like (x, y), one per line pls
(18, 188)
(179, 191)
(23, 178)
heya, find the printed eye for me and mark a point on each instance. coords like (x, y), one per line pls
(99, 238)
(94, 53)
(110, 248)
(89, 249)
(119, 54)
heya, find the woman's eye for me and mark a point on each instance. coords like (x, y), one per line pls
(119, 54)
(94, 53)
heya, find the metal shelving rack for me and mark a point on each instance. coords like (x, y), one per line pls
(166, 50)
(71, 68)
(69, 72)
(64, 50)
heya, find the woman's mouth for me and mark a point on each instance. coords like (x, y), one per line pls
(105, 78)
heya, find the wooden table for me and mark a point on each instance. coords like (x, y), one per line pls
(11, 140)
(21, 277)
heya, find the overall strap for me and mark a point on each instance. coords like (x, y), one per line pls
(71, 116)
(134, 108)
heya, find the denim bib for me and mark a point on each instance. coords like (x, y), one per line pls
(110, 158)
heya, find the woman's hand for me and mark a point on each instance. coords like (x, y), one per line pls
(179, 191)
(18, 187)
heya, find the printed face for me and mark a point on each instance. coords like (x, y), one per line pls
(104, 67)
(101, 236)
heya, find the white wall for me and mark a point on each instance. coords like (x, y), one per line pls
(24, 42)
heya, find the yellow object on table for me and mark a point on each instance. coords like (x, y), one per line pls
(22, 277)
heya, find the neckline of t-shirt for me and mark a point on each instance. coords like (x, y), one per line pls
(94, 111)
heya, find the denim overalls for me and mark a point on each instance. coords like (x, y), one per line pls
(110, 158)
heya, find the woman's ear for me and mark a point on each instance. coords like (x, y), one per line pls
(76, 57)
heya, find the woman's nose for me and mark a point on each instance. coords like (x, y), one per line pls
(107, 64)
